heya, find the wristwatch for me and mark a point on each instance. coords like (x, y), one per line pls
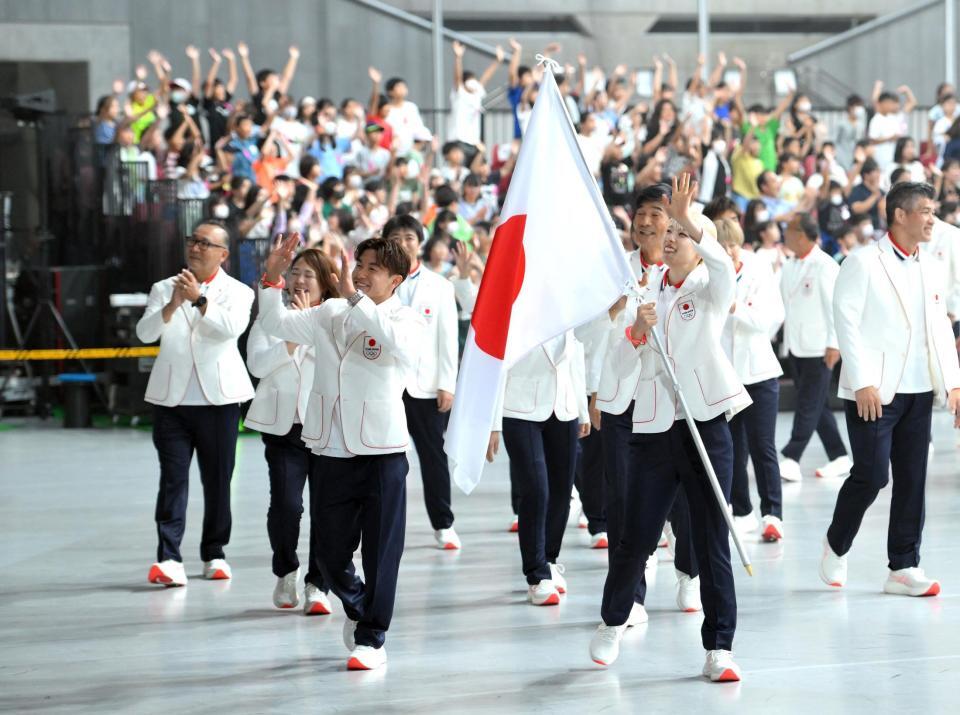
(355, 298)
(200, 302)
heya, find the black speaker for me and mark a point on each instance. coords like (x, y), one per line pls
(77, 294)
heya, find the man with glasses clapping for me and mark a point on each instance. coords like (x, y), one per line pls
(197, 384)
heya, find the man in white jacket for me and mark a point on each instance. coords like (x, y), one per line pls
(810, 341)
(197, 384)
(429, 394)
(366, 346)
(899, 358)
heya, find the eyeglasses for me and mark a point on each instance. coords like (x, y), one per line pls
(202, 243)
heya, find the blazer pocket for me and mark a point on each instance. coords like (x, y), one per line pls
(520, 395)
(812, 337)
(716, 385)
(383, 426)
(316, 417)
(158, 386)
(265, 406)
(645, 404)
(227, 382)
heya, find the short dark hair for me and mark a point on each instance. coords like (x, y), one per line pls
(263, 74)
(869, 165)
(445, 195)
(762, 179)
(393, 82)
(905, 196)
(898, 174)
(406, 222)
(888, 96)
(854, 100)
(808, 225)
(719, 206)
(472, 180)
(216, 223)
(653, 194)
(390, 254)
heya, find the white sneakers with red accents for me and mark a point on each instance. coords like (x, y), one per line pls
(349, 628)
(556, 575)
(638, 615)
(833, 568)
(839, 467)
(771, 528)
(720, 667)
(790, 470)
(544, 593)
(447, 539)
(366, 657)
(599, 541)
(514, 525)
(650, 570)
(216, 570)
(911, 582)
(605, 644)
(285, 592)
(746, 524)
(315, 601)
(688, 593)
(168, 573)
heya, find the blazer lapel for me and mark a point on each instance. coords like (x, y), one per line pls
(889, 268)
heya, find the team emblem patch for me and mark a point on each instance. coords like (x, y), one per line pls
(808, 287)
(427, 313)
(371, 349)
(687, 310)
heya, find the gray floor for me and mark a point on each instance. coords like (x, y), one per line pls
(82, 631)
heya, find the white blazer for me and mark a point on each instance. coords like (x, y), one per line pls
(431, 297)
(944, 246)
(366, 354)
(549, 380)
(192, 341)
(807, 291)
(466, 292)
(691, 333)
(874, 330)
(758, 316)
(285, 382)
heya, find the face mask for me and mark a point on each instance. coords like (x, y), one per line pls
(836, 199)
(272, 106)
(860, 112)
(221, 211)
(178, 96)
(330, 128)
(289, 112)
(804, 107)
(868, 231)
(763, 216)
(355, 181)
(413, 170)
(337, 194)
(473, 86)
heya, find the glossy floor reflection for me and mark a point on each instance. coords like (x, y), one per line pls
(82, 631)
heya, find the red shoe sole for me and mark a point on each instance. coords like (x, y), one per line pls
(219, 575)
(600, 662)
(582, 526)
(770, 534)
(355, 664)
(450, 547)
(552, 600)
(159, 577)
(602, 544)
(728, 676)
(514, 528)
(692, 610)
(934, 590)
(318, 609)
(289, 605)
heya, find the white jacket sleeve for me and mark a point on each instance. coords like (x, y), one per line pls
(150, 326)
(265, 356)
(297, 326)
(595, 337)
(447, 341)
(722, 288)
(230, 320)
(827, 295)
(578, 356)
(466, 292)
(399, 332)
(850, 297)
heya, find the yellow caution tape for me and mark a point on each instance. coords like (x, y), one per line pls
(81, 354)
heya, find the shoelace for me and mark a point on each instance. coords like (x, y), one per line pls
(559, 568)
(608, 633)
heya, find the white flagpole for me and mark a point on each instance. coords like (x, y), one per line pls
(704, 457)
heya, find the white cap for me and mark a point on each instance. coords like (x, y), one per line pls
(182, 84)
(422, 134)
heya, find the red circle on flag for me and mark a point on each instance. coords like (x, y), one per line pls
(502, 280)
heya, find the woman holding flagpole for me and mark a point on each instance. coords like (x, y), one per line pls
(692, 302)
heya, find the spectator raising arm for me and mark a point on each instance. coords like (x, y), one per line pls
(212, 74)
(458, 50)
(289, 69)
(717, 75)
(375, 78)
(514, 68)
(492, 67)
(194, 54)
(911, 102)
(657, 78)
(244, 53)
(231, 70)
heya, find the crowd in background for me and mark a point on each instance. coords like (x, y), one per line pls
(267, 162)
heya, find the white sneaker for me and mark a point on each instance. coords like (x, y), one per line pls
(582, 521)
(746, 524)
(543, 594)
(638, 615)
(688, 593)
(720, 667)
(349, 627)
(911, 582)
(216, 570)
(556, 575)
(366, 657)
(662, 544)
(285, 592)
(790, 470)
(168, 573)
(514, 526)
(771, 528)
(599, 541)
(315, 601)
(447, 539)
(605, 644)
(650, 571)
(833, 568)
(839, 467)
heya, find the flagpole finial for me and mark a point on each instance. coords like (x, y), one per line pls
(549, 63)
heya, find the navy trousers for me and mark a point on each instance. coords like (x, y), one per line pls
(812, 379)
(900, 440)
(543, 455)
(211, 432)
(362, 501)
(659, 464)
(288, 463)
(754, 432)
(590, 481)
(427, 425)
(616, 433)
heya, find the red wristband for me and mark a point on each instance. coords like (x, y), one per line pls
(634, 341)
(267, 284)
